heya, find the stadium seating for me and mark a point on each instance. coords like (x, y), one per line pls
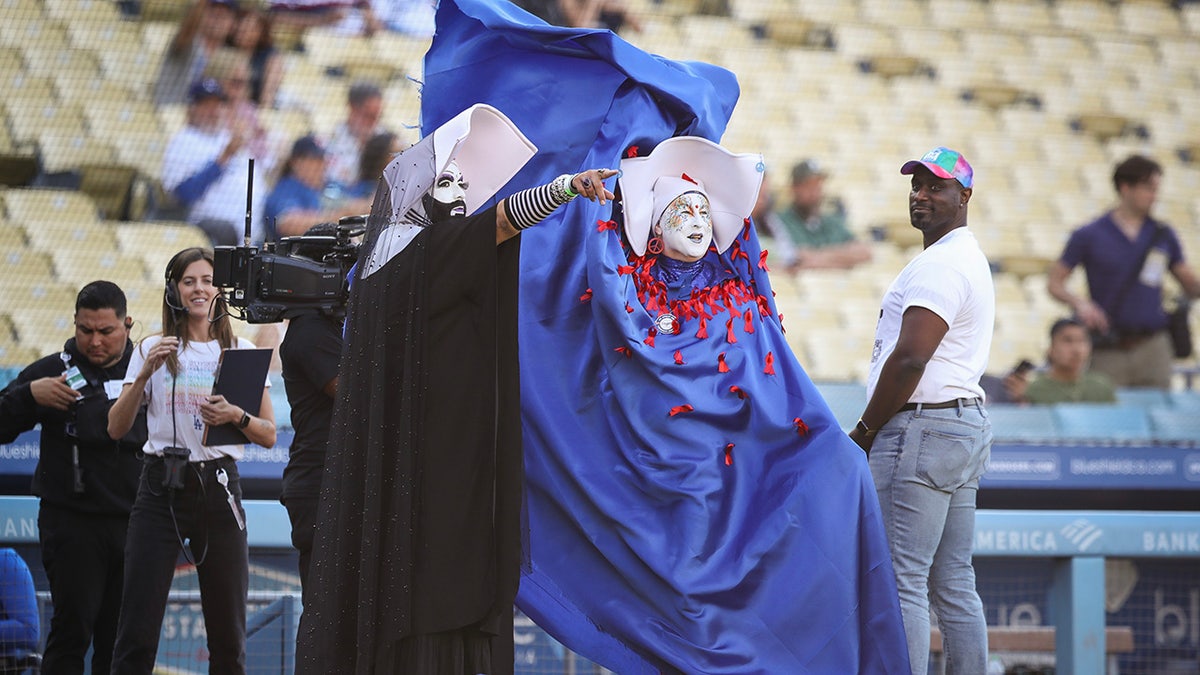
(1083, 81)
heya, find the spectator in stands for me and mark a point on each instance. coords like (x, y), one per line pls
(202, 32)
(86, 481)
(411, 17)
(231, 69)
(19, 624)
(1067, 378)
(310, 352)
(924, 427)
(346, 17)
(376, 154)
(811, 232)
(252, 35)
(206, 167)
(297, 203)
(1126, 254)
(611, 14)
(345, 144)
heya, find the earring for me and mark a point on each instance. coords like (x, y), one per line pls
(655, 245)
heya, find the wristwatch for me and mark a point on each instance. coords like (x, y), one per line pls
(245, 421)
(866, 430)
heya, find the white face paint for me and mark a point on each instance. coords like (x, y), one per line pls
(450, 189)
(686, 227)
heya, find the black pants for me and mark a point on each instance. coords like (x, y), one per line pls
(217, 544)
(84, 558)
(302, 511)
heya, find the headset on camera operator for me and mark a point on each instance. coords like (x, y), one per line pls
(85, 479)
(188, 490)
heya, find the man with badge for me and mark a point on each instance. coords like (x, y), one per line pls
(86, 481)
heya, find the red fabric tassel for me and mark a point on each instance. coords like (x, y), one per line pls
(625, 269)
(632, 151)
(650, 338)
(624, 351)
(770, 369)
(703, 332)
(721, 367)
(602, 225)
(729, 454)
(748, 316)
(762, 261)
(685, 408)
(587, 296)
(745, 229)
(729, 336)
(741, 393)
(628, 309)
(678, 358)
(801, 427)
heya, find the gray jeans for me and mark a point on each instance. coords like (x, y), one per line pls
(926, 465)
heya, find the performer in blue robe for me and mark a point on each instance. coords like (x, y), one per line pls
(692, 505)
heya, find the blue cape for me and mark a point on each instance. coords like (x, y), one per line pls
(692, 503)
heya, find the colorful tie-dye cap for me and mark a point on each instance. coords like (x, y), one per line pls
(944, 163)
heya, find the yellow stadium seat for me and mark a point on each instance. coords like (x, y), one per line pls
(35, 204)
(155, 243)
(24, 27)
(1150, 18)
(1021, 16)
(70, 151)
(13, 354)
(51, 234)
(44, 329)
(24, 264)
(12, 236)
(31, 118)
(1086, 17)
(80, 266)
(47, 293)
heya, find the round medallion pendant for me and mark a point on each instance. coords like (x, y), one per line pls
(667, 324)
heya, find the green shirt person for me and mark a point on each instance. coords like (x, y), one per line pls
(1067, 378)
(811, 232)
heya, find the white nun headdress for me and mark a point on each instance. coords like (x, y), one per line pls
(489, 150)
(729, 180)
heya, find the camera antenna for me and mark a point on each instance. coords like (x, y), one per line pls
(249, 200)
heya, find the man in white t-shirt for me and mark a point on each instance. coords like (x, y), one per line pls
(924, 427)
(206, 166)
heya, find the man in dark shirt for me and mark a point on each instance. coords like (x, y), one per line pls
(86, 480)
(1126, 254)
(309, 353)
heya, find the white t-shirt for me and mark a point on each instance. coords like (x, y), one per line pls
(190, 150)
(953, 280)
(197, 363)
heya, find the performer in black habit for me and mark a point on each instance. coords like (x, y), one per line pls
(419, 540)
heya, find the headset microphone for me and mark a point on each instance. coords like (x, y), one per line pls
(171, 291)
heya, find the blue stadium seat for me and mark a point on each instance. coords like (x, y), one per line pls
(1143, 397)
(1188, 399)
(1026, 424)
(1103, 422)
(1175, 426)
(846, 399)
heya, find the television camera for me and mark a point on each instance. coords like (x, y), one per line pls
(296, 274)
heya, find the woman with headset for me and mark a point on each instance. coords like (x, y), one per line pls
(188, 490)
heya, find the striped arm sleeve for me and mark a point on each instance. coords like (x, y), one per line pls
(530, 207)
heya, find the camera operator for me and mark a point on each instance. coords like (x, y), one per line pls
(309, 353)
(87, 481)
